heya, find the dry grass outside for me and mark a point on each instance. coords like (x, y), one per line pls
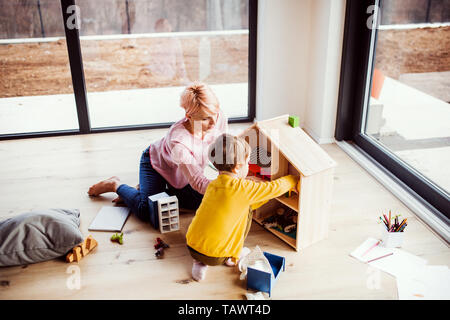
(42, 68)
(413, 51)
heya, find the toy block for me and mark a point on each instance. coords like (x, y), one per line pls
(153, 208)
(77, 254)
(294, 121)
(69, 257)
(164, 212)
(91, 243)
(81, 250)
(84, 250)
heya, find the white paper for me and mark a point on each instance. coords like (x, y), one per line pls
(110, 219)
(255, 296)
(255, 259)
(432, 283)
(415, 279)
(401, 263)
(363, 255)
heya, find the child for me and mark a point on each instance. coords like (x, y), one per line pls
(221, 223)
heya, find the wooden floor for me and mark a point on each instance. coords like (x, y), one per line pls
(56, 172)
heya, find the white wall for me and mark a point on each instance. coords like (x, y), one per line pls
(299, 56)
(282, 57)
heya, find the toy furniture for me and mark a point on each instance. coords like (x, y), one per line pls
(264, 281)
(291, 151)
(167, 211)
(81, 250)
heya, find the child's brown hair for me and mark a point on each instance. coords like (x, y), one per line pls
(228, 151)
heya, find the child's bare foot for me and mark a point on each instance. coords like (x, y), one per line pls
(198, 270)
(108, 185)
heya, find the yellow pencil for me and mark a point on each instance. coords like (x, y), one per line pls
(404, 221)
(389, 222)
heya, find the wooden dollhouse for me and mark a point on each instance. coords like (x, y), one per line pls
(278, 149)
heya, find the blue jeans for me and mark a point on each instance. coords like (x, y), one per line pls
(150, 183)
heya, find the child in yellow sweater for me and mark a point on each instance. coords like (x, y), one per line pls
(221, 223)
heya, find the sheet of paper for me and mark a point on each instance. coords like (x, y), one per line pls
(366, 251)
(110, 219)
(401, 263)
(415, 279)
(432, 283)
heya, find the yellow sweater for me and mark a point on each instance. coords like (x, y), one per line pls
(218, 227)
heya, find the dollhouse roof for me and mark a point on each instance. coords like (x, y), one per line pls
(296, 146)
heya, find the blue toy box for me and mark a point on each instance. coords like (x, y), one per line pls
(264, 281)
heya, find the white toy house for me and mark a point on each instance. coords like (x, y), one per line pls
(168, 211)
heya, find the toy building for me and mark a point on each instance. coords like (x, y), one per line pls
(278, 149)
(167, 211)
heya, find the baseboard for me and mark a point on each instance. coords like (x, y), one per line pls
(318, 138)
(425, 212)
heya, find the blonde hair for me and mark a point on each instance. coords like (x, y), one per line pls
(196, 96)
(228, 151)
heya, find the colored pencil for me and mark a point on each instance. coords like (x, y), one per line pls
(378, 242)
(389, 218)
(389, 254)
(384, 222)
(404, 221)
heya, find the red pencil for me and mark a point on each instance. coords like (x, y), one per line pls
(389, 254)
(385, 218)
(378, 242)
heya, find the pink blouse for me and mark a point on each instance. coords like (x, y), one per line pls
(181, 158)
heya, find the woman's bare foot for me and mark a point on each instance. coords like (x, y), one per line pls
(108, 185)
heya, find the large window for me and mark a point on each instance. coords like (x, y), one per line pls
(36, 93)
(394, 102)
(129, 62)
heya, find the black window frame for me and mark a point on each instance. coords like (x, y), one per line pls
(80, 92)
(358, 57)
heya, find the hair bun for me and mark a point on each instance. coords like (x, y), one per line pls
(196, 96)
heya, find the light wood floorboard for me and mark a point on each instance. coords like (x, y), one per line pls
(56, 172)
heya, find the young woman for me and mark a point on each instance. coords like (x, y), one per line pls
(175, 164)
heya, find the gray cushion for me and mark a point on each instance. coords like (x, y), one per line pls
(38, 236)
